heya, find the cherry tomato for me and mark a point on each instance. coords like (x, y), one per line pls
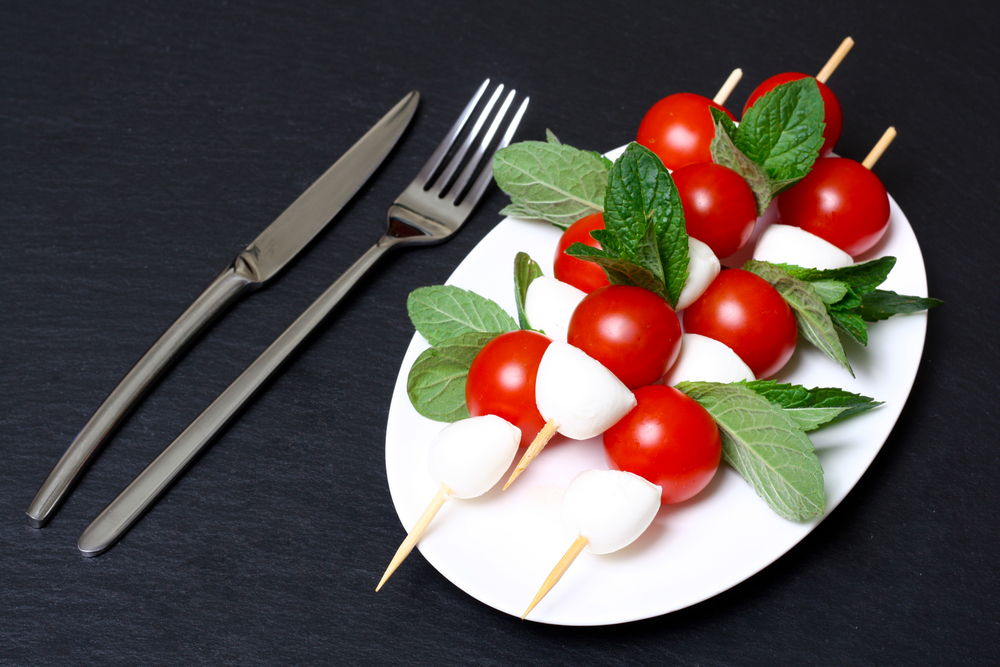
(746, 313)
(501, 381)
(841, 201)
(668, 439)
(834, 117)
(679, 129)
(719, 206)
(581, 274)
(632, 331)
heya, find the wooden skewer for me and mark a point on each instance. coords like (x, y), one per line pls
(557, 572)
(879, 148)
(418, 529)
(537, 445)
(834, 60)
(727, 87)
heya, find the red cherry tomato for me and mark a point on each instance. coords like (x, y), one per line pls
(679, 129)
(719, 206)
(746, 313)
(668, 439)
(501, 381)
(834, 117)
(632, 331)
(581, 274)
(841, 201)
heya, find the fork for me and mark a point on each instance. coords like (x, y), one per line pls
(430, 210)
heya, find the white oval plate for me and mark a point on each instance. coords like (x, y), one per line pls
(500, 547)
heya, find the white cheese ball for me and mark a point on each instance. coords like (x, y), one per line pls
(578, 393)
(549, 304)
(785, 244)
(705, 359)
(470, 456)
(702, 268)
(610, 508)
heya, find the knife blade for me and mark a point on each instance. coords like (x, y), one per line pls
(265, 257)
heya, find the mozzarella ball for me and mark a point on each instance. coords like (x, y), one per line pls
(470, 456)
(784, 244)
(702, 268)
(705, 359)
(579, 394)
(549, 304)
(610, 508)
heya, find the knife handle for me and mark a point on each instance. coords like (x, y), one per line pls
(126, 509)
(225, 289)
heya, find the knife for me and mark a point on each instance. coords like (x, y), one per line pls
(261, 261)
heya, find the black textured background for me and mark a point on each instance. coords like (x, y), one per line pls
(142, 145)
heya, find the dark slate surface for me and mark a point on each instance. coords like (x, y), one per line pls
(143, 144)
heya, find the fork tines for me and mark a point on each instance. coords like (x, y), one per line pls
(446, 184)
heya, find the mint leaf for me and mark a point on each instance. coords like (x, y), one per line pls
(619, 271)
(443, 312)
(851, 324)
(811, 315)
(525, 270)
(831, 291)
(812, 408)
(882, 304)
(436, 383)
(776, 143)
(725, 153)
(766, 446)
(860, 278)
(783, 131)
(644, 220)
(551, 181)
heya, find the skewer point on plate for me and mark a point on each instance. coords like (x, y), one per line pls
(557, 572)
(414, 536)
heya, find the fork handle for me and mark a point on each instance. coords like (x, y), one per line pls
(126, 509)
(225, 289)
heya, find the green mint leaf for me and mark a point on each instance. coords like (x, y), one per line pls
(851, 324)
(643, 211)
(783, 131)
(551, 137)
(831, 291)
(436, 383)
(721, 118)
(882, 304)
(812, 408)
(443, 312)
(619, 271)
(811, 315)
(725, 153)
(551, 181)
(525, 271)
(766, 446)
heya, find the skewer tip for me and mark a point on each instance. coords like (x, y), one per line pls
(414, 535)
(557, 572)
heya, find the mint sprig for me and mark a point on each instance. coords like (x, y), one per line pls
(843, 300)
(767, 446)
(551, 181)
(776, 142)
(457, 323)
(644, 242)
